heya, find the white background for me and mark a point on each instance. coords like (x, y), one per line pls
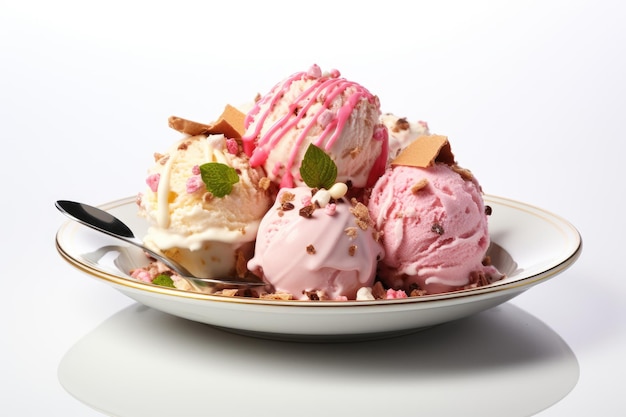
(531, 94)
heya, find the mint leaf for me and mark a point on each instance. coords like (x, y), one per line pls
(317, 169)
(163, 280)
(218, 178)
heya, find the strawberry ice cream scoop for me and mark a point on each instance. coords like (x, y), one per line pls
(434, 229)
(316, 253)
(324, 109)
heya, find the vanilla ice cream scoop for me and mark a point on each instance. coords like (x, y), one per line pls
(326, 110)
(210, 235)
(402, 132)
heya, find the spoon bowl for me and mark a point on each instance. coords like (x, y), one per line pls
(108, 224)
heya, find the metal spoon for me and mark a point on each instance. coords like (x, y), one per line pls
(108, 224)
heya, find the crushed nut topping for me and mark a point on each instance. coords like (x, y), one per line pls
(419, 185)
(276, 296)
(264, 183)
(417, 292)
(352, 250)
(287, 197)
(310, 250)
(378, 291)
(478, 278)
(160, 158)
(286, 206)
(241, 268)
(362, 214)
(401, 124)
(351, 232)
(231, 292)
(312, 295)
(466, 174)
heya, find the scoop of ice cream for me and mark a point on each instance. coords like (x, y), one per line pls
(204, 232)
(402, 132)
(331, 112)
(314, 252)
(434, 228)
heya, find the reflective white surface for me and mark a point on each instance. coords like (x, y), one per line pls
(531, 95)
(500, 362)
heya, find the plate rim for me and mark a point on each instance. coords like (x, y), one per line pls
(519, 284)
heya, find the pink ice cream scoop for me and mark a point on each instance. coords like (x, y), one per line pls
(434, 229)
(316, 253)
(337, 115)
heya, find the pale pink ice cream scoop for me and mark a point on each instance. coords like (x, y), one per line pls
(324, 109)
(327, 255)
(434, 228)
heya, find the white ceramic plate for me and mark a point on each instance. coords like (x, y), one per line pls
(529, 245)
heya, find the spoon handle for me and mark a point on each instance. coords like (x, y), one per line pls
(106, 223)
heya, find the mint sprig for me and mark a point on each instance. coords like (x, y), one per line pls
(163, 280)
(317, 169)
(218, 178)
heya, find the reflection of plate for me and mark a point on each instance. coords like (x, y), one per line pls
(500, 362)
(530, 245)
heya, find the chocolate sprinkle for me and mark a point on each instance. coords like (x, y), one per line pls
(488, 210)
(307, 211)
(312, 295)
(437, 228)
